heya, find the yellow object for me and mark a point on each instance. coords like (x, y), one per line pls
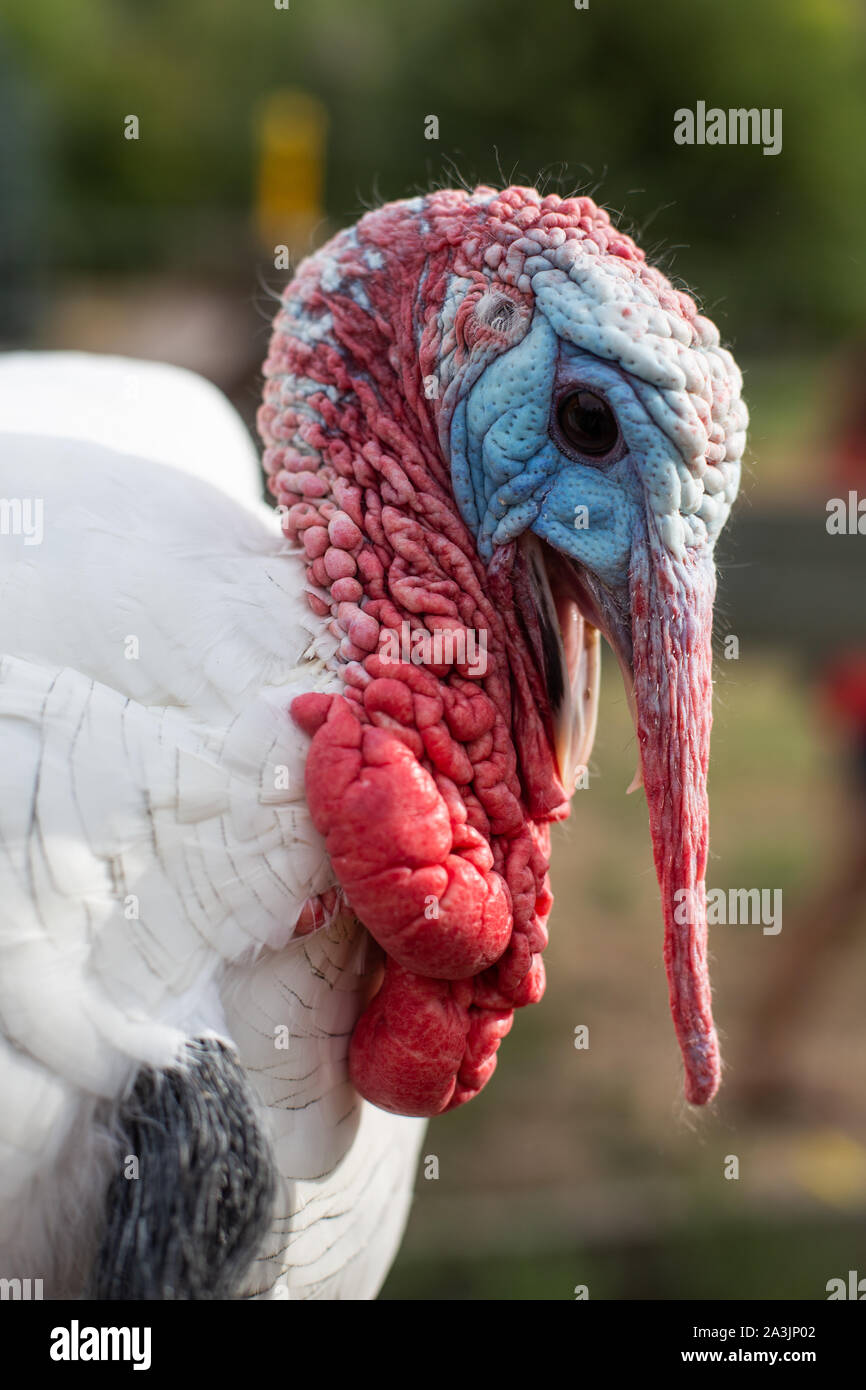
(831, 1166)
(290, 134)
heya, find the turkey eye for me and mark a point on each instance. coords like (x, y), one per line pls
(588, 423)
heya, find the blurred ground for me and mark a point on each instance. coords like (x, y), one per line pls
(586, 1167)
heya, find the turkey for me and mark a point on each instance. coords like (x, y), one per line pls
(277, 784)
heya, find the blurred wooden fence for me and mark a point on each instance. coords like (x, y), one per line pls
(784, 581)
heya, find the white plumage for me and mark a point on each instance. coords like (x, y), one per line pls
(155, 845)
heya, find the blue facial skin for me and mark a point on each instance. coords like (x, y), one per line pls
(512, 470)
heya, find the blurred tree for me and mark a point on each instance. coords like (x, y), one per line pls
(25, 230)
(586, 95)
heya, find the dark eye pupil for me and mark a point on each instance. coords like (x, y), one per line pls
(588, 423)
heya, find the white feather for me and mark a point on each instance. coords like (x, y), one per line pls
(156, 844)
(162, 413)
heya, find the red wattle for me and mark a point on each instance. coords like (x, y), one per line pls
(422, 882)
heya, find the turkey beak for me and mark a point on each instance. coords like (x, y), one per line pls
(659, 626)
(567, 613)
(607, 609)
(671, 607)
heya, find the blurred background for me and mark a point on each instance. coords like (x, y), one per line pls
(260, 126)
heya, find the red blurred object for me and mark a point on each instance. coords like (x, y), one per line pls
(843, 688)
(847, 460)
(843, 675)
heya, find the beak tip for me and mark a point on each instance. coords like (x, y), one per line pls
(703, 1071)
(701, 1093)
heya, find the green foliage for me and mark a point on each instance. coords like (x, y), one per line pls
(775, 243)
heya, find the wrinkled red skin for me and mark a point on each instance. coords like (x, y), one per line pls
(462, 949)
(436, 784)
(672, 621)
(391, 841)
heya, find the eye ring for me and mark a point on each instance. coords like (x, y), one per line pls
(497, 312)
(587, 422)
